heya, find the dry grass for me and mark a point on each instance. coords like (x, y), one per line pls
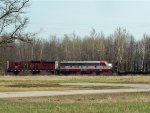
(78, 78)
(41, 83)
(51, 87)
(96, 98)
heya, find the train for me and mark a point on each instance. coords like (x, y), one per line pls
(79, 67)
(60, 67)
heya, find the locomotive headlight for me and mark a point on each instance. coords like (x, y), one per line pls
(110, 65)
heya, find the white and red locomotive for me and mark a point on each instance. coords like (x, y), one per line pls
(63, 67)
(85, 67)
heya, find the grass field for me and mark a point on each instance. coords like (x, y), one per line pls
(41, 83)
(108, 103)
(102, 103)
(78, 78)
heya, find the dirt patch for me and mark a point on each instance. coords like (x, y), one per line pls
(63, 86)
(34, 85)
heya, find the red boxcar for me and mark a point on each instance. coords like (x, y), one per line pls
(32, 66)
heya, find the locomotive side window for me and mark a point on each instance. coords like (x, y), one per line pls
(103, 64)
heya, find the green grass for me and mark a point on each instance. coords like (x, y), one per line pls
(75, 108)
(114, 103)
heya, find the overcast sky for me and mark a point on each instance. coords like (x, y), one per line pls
(59, 17)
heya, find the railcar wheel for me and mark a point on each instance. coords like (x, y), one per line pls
(97, 73)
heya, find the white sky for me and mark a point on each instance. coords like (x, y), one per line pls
(80, 16)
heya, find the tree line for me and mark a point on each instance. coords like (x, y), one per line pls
(119, 47)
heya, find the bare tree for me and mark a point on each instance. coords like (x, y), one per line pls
(12, 24)
(12, 20)
(120, 43)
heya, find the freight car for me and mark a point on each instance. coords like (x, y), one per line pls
(63, 67)
(35, 67)
(132, 67)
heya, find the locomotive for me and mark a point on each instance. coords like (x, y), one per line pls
(62, 67)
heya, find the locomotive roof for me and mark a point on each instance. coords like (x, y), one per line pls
(83, 61)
